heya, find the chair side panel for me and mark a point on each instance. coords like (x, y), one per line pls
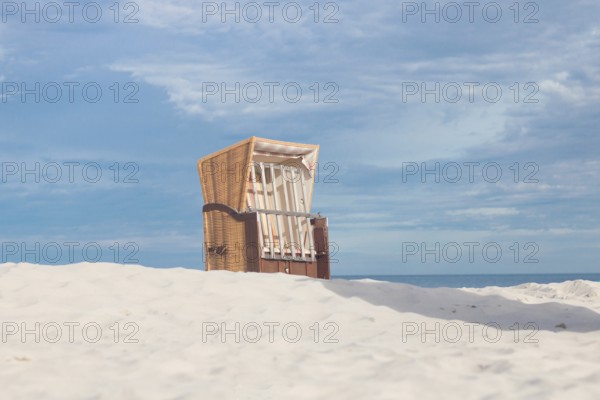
(225, 246)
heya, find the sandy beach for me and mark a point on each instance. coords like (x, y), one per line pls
(107, 331)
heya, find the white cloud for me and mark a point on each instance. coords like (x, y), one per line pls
(202, 18)
(569, 91)
(483, 212)
(200, 88)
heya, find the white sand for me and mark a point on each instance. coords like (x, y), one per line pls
(374, 357)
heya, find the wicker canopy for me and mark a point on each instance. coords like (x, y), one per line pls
(225, 174)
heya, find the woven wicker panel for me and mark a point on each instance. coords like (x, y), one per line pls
(221, 229)
(224, 177)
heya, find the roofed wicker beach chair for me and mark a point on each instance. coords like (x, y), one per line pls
(257, 201)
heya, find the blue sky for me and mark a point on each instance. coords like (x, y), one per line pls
(373, 132)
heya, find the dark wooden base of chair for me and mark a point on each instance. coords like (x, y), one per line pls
(241, 253)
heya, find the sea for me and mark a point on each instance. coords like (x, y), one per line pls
(474, 281)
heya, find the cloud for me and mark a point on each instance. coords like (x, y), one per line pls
(217, 90)
(483, 212)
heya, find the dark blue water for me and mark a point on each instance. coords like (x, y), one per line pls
(475, 281)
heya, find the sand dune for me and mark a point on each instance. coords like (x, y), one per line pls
(105, 331)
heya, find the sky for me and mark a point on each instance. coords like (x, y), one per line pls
(455, 137)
